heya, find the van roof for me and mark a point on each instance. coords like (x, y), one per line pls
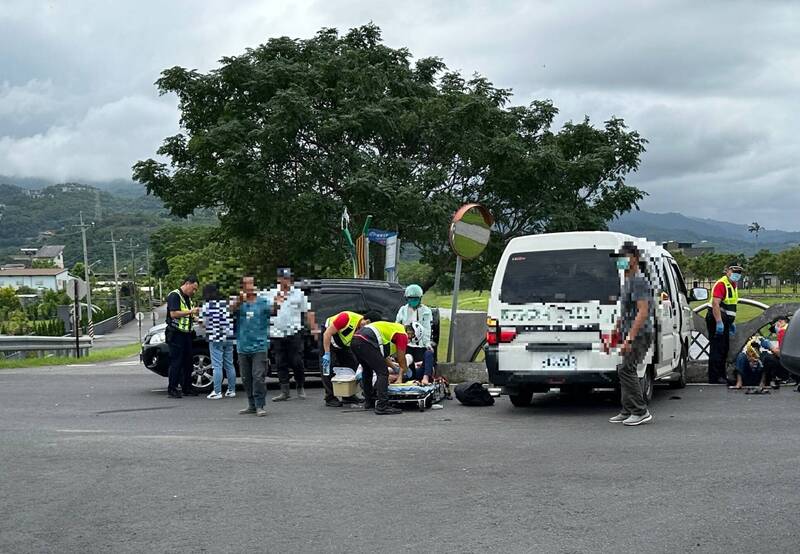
(579, 239)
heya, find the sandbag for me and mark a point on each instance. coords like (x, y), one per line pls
(472, 393)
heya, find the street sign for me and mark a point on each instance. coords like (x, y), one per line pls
(470, 231)
(139, 316)
(469, 234)
(81, 288)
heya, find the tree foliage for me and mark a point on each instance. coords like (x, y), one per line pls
(282, 137)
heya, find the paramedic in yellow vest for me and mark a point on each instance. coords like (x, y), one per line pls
(720, 320)
(373, 345)
(338, 334)
(179, 337)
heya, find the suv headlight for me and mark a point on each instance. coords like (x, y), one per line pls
(157, 338)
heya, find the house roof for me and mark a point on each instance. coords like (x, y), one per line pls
(49, 251)
(30, 272)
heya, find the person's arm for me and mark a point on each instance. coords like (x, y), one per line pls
(427, 327)
(715, 309)
(312, 322)
(327, 337)
(401, 361)
(401, 315)
(177, 312)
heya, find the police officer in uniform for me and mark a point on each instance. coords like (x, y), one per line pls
(720, 321)
(179, 337)
(336, 339)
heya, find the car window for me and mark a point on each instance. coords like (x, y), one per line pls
(386, 301)
(561, 276)
(679, 278)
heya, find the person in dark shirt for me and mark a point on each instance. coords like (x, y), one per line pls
(179, 337)
(635, 328)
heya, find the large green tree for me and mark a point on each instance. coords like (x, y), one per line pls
(282, 137)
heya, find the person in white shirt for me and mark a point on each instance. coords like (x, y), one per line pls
(286, 341)
(421, 347)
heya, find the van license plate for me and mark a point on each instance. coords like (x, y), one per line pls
(560, 361)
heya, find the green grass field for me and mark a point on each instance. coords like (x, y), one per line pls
(99, 356)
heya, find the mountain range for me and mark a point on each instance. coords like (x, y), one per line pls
(723, 236)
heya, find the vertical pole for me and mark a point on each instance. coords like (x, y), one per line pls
(451, 340)
(89, 325)
(116, 279)
(160, 292)
(149, 282)
(133, 277)
(76, 318)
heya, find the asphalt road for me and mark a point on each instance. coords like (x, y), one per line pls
(97, 459)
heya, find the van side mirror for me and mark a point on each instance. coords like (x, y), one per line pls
(698, 294)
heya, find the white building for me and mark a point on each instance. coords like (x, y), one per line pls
(49, 278)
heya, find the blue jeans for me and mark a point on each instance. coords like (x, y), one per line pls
(426, 357)
(222, 355)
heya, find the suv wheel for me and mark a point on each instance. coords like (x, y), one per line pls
(202, 372)
(522, 398)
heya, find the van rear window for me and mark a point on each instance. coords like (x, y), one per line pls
(561, 276)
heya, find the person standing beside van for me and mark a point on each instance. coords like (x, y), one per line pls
(636, 331)
(721, 322)
(252, 342)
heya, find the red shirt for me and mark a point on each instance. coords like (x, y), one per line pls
(400, 340)
(781, 334)
(719, 290)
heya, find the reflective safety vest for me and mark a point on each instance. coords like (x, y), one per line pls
(184, 323)
(346, 335)
(729, 303)
(385, 330)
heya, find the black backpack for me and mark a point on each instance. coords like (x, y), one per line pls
(472, 393)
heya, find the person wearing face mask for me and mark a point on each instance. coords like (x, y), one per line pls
(635, 327)
(421, 348)
(721, 322)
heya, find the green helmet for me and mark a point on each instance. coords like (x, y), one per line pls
(413, 291)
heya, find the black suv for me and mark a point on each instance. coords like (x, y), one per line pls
(327, 297)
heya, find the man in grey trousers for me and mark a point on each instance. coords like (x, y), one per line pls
(635, 329)
(252, 341)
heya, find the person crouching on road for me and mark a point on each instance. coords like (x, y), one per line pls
(179, 337)
(373, 345)
(336, 339)
(289, 304)
(252, 342)
(414, 311)
(218, 323)
(635, 325)
(720, 321)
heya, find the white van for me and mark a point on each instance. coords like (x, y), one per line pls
(555, 299)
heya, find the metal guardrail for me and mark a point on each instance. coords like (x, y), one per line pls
(10, 346)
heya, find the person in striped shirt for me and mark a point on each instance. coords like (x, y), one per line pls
(218, 322)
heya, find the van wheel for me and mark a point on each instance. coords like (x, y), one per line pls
(683, 363)
(522, 398)
(646, 383)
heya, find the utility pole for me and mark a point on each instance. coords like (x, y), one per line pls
(150, 284)
(89, 323)
(116, 277)
(133, 276)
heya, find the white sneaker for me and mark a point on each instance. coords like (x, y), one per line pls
(647, 417)
(230, 394)
(214, 396)
(619, 418)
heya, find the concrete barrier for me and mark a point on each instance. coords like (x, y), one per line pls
(470, 334)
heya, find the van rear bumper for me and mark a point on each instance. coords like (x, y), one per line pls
(523, 377)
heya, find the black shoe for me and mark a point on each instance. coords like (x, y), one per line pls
(370, 404)
(353, 400)
(388, 410)
(174, 394)
(333, 403)
(190, 392)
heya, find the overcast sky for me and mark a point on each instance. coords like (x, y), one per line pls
(714, 89)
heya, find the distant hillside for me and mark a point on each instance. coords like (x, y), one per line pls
(38, 216)
(118, 187)
(724, 236)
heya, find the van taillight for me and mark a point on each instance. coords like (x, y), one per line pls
(611, 339)
(506, 335)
